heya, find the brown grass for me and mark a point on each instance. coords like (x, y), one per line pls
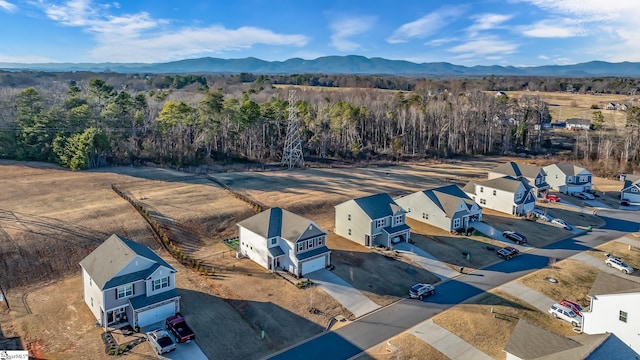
(574, 281)
(404, 346)
(630, 255)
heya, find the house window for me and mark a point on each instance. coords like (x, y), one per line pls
(623, 316)
(584, 179)
(274, 241)
(494, 193)
(319, 241)
(425, 216)
(124, 291)
(379, 223)
(349, 217)
(310, 244)
(634, 189)
(397, 220)
(483, 202)
(349, 231)
(569, 179)
(92, 302)
(160, 283)
(301, 246)
(456, 223)
(481, 189)
(90, 282)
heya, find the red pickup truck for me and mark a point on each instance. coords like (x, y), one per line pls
(178, 326)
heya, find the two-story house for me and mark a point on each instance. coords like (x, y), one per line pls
(614, 309)
(372, 220)
(532, 175)
(505, 194)
(631, 189)
(126, 283)
(446, 207)
(568, 178)
(279, 239)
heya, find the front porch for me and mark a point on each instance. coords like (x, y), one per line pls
(393, 235)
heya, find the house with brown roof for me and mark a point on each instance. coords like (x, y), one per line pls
(532, 175)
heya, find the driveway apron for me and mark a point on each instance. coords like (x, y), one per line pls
(426, 261)
(538, 300)
(343, 292)
(446, 342)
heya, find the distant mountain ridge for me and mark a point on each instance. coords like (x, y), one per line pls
(351, 64)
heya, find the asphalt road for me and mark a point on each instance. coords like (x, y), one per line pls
(383, 324)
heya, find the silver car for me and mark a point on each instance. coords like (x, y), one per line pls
(160, 341)
(617, 263)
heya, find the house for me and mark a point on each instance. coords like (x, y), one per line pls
(614, 309)
(125, 283)
(568, 178)
(528, 342)
(446, 207)
(505, 194)
(532, 175)
(372, 220)
(578, 124)
(631, 188)
(279, 239)
(610, 106)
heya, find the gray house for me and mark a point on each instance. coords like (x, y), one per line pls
(372, 220)
(532, 175)
(568, 178)
(279, 239)
(505, 194)
(631, 188)
(446, 207)
(126, 283)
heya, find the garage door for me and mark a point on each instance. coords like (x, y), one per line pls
(157, 314)
(313, 265)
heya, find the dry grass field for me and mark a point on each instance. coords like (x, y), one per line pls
(574, 281)
(630, 254)
(401, 347)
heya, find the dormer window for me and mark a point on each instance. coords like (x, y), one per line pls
(398, 220)
(160, 283)
(274, 241)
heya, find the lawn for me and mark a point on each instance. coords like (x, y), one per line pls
(403, 346)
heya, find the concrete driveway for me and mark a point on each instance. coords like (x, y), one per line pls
(343, 292)
(185, 351)
(426, 260)
(538, 300)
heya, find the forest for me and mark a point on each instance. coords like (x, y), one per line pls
(86, 120)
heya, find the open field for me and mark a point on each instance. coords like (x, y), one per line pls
(403, 346)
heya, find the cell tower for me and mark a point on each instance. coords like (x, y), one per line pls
(292, 154)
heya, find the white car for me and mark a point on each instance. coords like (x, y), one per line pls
(541, 215)
(561, 223)
(160, 341)
(587, 196)
(564, 313)
(617, 263)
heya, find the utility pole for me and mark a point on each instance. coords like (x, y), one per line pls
(292, 154)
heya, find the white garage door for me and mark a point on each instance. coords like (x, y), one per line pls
(157, 314)
(313, 265)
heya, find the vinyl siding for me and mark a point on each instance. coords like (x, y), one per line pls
(360, 224)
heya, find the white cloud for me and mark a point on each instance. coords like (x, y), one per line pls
(7, 6)
(487, 22)
(426, 25)
(555, 28)
(487, 47)
(25, 59)
(543, 57)
(140, 38)
(440, 41)
(343, 29)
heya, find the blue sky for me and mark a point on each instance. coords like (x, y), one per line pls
(481, 32)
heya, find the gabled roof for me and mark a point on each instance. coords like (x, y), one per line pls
(611, 284)
(378, 206)
(103, 263)
(285, 224)
(447, 198)
(506, 183)
(140, 302)
(570, 169)
(630, 180)
(517, 170)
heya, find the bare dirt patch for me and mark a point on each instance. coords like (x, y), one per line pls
(403, 346)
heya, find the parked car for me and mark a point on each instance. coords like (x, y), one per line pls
(617, 263)
(625, 202)
(587, 195)
(419, 291)
(564, 313)
(515, 237)
(541, 215)
(508, 252)
(579, 195)
(553, 198)
(178, 326)
(572, 305)
(160, 341)
(561, 223)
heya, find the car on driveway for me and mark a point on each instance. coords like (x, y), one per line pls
(160, 341)
(572, 305)
(178, 326)
(420, 291)
(508, 252)
(588, 196)
(561, 223)
(579, 195)
(553, 198)
(515, 237)
(625, 202)
(541, 215)
(564, 313)
(617, 263)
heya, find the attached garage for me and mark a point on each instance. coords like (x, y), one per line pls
(313, 264)
(156, 314)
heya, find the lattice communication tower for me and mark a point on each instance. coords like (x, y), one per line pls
(292, 154)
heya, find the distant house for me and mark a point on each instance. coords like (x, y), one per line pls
(529, 342)
(534, 176)
(610, 106)
(372, 220)
(631, 188)
(614, 309)
(578, 124)
(568, 178)
(505, 194)
(500, 93)
(279, 239)
(125, 283)
(446, 207)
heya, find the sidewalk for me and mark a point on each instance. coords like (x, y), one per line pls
(426, 261)
(630, 240)
(343, 292)
(538, 300)
(447, 342)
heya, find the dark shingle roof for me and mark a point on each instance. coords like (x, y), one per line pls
(103, 263)
(447, 198)
(578, 121)
(378, 206)
(517, 170)
(570, 169)
(279, 222)
(141, 301)
(506, 183)
(606, 283)
(313, 252)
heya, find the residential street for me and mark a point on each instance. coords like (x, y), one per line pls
(387, 322)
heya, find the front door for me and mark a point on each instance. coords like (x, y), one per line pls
(367, 240)
(270, 262)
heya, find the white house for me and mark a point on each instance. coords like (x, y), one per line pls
(446, 207)
(614, 308)
(568, 178)
(578, 124)
(125, 283)
(505, 194)
(631, 188)
(532, 175)
(372, 220)
(279, 239)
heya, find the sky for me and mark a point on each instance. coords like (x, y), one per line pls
(480, 32)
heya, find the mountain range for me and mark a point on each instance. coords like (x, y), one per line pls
(351, 64)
